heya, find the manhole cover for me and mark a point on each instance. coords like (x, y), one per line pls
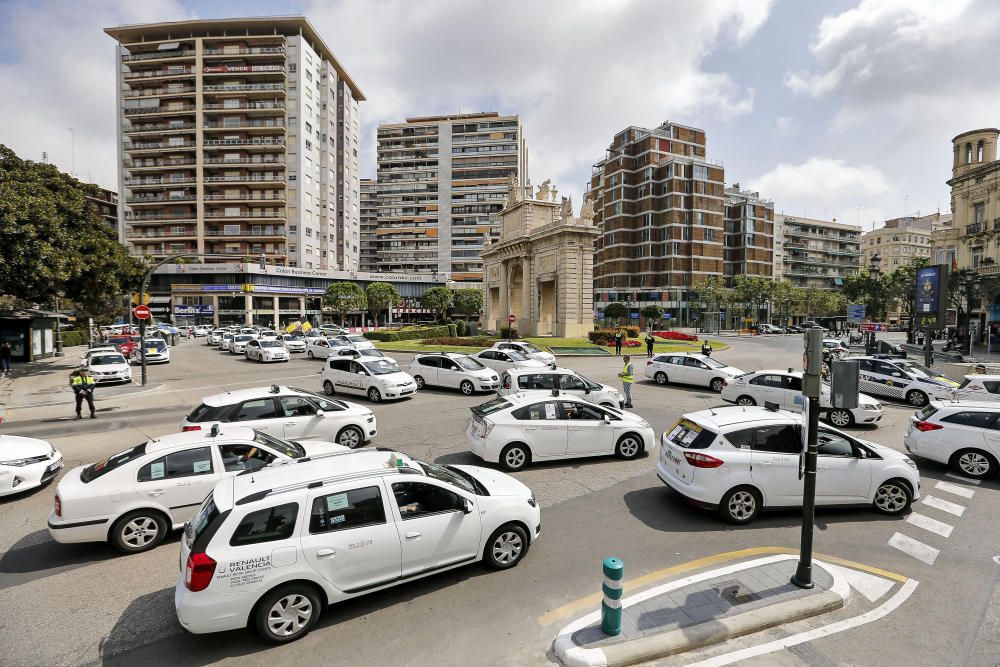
(735, 593)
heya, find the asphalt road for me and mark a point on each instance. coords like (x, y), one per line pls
(81, 604)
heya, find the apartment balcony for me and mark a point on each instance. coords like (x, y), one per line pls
(248, 179)
(274, 125)
(247, 163)
(239, 231)
(158, 55)
(154, 199)
(252, 142)
(248, 213)
(243, 88)
(154, 233)
(158, 182)
(157, 146)
(975, 228)
(248, 251)
(157, 92)
(844, 251)
(247, 106)
(159, 73)
(255, 71)
(159, 111)
(158, 128)
(252, 51)
(246, 197)
(157, 165)
(160, 217)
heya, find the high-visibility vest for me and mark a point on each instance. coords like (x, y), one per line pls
(80, 380)
(626, 376)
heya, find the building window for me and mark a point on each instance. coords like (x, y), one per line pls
(700, 172)
(979, 213)
(968, 153)
(979, 151)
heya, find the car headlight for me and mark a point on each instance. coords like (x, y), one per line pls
(532, 501)
(869, 406)
(15, 462)
(910, 462)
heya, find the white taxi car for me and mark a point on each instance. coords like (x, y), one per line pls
(689, 368)
(364, 354)
(294, 343)
(964, 435)
(527, 349)
(135, 497)
(784, 389)
(26, 463)
(567, 381)
(266, 350)
(157, 352)
(742, 460)
(109, 367)
(271, 551)
(226, 341)
(321, 348)
(239, 344)
(378, 379)
(903, 380)
(979, 388)
(455, 371)
(502, 360)
(356, 341)
(287, 413)
(518, 429)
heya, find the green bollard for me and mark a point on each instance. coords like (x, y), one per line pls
(611, 606)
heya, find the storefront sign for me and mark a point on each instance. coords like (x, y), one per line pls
(198, 309)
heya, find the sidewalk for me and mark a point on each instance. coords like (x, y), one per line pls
(703, 609)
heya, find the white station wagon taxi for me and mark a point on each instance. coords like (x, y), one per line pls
(377, 379)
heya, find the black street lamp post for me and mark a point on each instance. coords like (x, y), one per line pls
(874, 272)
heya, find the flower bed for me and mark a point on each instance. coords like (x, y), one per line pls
(674, 335)
(606, 336)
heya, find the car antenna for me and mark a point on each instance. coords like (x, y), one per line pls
(710, 408)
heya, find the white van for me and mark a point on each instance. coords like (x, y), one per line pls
(377, 379)
(271, 550)
(566, 380)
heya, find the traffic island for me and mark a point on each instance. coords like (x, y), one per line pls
(701, 610)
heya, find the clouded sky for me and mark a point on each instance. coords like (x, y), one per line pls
(843, 108)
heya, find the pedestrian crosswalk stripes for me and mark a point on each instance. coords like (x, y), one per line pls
(915, 548)
(927, 523)
(955, 489)
(943, 505)
(967, 480)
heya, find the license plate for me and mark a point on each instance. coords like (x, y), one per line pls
(55, 466)
(674, 459)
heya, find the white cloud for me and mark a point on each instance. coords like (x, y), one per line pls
(785, 125)
(820, 186)
(576, 73)
(64, 77)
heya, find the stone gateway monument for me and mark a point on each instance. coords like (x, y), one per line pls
(541, 270)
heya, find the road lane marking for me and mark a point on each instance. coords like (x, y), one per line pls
(915, 548)
(943, 505)
(920, 521)
(955, 489)
(967, 480)
(881, 611)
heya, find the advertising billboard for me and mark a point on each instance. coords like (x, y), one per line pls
(931, 297)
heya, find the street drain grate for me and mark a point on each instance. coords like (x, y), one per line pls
(735, 593)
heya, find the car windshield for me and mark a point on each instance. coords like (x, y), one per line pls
(271, 343)
(593, 386)
(713, 363)
(289, 449)
(160, 345)
(370, 352)
(381, 367)
(107, 360)
(468, 363)
(243, 338)
(118, 340)
(357, 339)
(516, 356)
(104, 466)
(529, 347)
(918, 370)
(442, 474)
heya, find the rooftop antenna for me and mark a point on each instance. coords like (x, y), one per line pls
(710, 409)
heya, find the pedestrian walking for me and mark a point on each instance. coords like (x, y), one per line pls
(618, 341)
(83, 387)
(628, 376)
(5, 354)
(649, 344)
(706, 349)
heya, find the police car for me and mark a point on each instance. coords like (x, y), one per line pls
(270, 551)
(377, 379)
(903, 379)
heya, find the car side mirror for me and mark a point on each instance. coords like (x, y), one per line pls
(607, 419)
(320, 412)
(360, 372)
(466, 505)
(586, 390)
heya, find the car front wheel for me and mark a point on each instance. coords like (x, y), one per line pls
(745, 400)
(309, 354)
(287, 613)
(660, 377)
(506, 547)
(419, 380)
(629, 447)
(328, 388)
(740, 505)
(374, 395)
(716, 385)
(467, 388)
(841, 418)
(351, 437)
(892, 497)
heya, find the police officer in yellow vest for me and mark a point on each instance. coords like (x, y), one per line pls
(628, 376)
(83, 386)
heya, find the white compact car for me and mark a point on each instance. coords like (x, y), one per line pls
(518, 429)
(377, 379)
(784, 389)
(271, 551)
(365, 354)
(135, 497)
(356, 341)
(97, 349)
(109, 367)
(202, 330)
(527, 349)
(294, 343)
(266, 350)
(979, 388)
(268, 334)
(288, 413)
(157, 352)
(226, 341)
(455, 371)
(502, 360)
(565, 380)
(26, 463)
(239, 344)
(963, 435)
(321, 348)
(742, 460)
(689, 368)
(903, 380)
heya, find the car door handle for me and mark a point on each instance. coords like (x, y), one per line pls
(323, 553)
(530, 428)
(289, 423)
(764, 463)
(183, 484)
(157, 492)
(412, 535)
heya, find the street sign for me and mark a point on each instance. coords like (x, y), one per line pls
(141, 312)
(634, 316)
(856, 311)
(873, 326)
(511, 318)
(146, 298)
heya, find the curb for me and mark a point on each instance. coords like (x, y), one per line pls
(704, 634)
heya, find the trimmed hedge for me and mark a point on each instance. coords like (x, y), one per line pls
(411, 333)
(477, 341)
(72, 338)
(460, 324)
(507, 332)
(607, 336)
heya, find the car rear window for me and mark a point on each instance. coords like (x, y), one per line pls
(208, 413)
(685, 433)
(205, 515)
(104, 466)
(926, 413)
(489, 407)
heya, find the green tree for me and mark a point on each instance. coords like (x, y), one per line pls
(53, 243)
(753, 292)
(437, 299)
(652, 313)
(381, 296)
(468, 301)
(783, 300)
(904, 283)
(615, 311)
(344, 298)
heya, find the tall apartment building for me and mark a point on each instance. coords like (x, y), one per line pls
(818, 253)
(105, 204)
(901, 240)
(238, 137)
(749, 244)
(369, 225)
(975, 200)
(660, 205)
(441, 182)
